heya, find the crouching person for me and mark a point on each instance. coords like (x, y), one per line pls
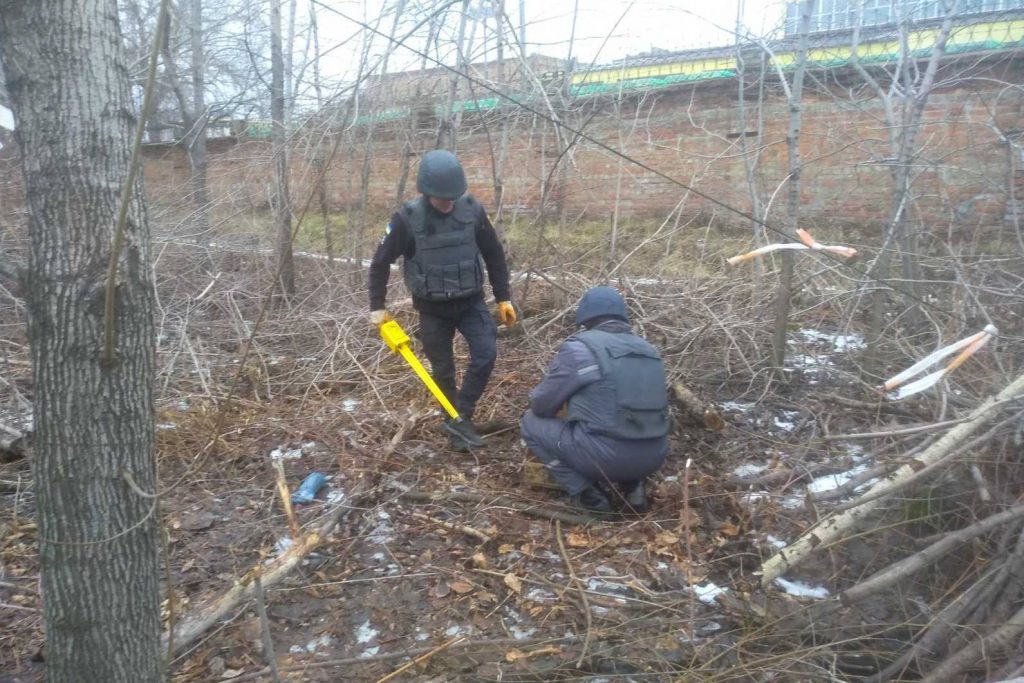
(613, 386)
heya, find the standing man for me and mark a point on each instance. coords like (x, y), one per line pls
(442, 237)
(613, 386)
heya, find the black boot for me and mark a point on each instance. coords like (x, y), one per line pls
(592, 499)
(458, 444)
(463, 429)
(636, 496)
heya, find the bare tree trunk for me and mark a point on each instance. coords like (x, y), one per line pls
(413, 131)
(279, 144)
(446, 126)
(197, 142)
(749, 159)
(319, 159)
(904, 105)
(193, 117)
(98, 547)
(782, 303)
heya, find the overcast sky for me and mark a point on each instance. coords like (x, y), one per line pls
(605, 30)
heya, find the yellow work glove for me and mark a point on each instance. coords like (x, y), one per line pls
(380, 317)
(506, 314)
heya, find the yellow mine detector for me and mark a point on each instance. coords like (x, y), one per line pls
(398, 341)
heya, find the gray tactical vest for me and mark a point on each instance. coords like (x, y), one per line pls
(447, 262)
(630, 401)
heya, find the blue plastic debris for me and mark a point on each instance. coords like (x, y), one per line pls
(306, 492)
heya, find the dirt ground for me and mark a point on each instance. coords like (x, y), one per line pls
(456, 561)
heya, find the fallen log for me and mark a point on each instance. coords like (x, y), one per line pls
(835, 526)
(694, 411)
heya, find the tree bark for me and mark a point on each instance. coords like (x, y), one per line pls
(782, 303)
(197, 141)
(67, 75)
(279, 142)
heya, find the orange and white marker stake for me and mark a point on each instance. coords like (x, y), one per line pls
(967, 348)
(806, 242)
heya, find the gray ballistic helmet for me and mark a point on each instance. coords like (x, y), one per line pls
(441, 175)
(599, 302)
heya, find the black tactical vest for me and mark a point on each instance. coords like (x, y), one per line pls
(447, 262)
(630, 401)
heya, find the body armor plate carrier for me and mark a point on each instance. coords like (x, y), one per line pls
(630, 401)
(447, 263)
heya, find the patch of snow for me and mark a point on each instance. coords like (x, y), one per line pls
(521, 633)
(335, 496)
(707, 592)
(421, 635)
(833, 481)
(778, 543)
(736, 406)
(793, 502)
(283, 544)
(802, 590)
(839, 342)
(383, 532)
(672, 477)
(167, 425)
(349, 405)
(662, 566)
(709, 627)
(598, 610)
(787, 420)
(807, 361)
(455, 630)
(539, 595)
(610, 589)
(605, 570)
(753, 498)
(369, 652)
(280, 453)
(749, 469)
(308, 445)
(365, 633)
(312, 646)
(378, 557)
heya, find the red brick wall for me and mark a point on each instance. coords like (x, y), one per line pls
(690, 133)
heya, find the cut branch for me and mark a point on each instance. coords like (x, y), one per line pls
(930, 555)
(195, 624)
(835, 526)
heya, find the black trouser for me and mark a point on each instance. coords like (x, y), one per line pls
(437, 333)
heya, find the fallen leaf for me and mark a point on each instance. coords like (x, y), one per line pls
(485, 596)
(480, 561)
(577, 540)
(505, 548)
(462, 587)
(440, 590)
(526, 548)
(514, 655)
(688, 515)
(729, 529)
(514, 582)
(666, 538)
(231, 673)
